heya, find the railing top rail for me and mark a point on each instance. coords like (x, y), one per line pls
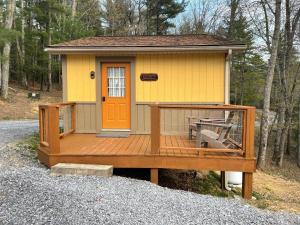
(220, 107)
(61, 104)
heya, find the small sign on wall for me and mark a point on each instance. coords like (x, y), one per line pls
(149, 77)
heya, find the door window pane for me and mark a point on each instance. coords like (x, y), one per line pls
(116, 81)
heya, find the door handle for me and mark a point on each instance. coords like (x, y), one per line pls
(103, 98)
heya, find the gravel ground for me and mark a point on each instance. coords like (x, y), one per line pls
(10, 130)
(29, 195)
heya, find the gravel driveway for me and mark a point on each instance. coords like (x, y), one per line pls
(29, 195)
(10, 130)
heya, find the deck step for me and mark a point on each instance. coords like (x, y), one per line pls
(82, 169)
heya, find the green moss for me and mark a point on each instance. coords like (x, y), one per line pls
(210, 185)
(257, 195)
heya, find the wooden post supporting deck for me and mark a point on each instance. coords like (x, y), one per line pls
(223, 185)
(247, 185)
(154, 176)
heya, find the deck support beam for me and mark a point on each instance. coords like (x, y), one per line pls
(223, 185)
(247, 185)
(154, 176)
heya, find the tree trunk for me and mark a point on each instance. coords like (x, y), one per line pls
(74, 6)
(0, 70)
(264, 127)
(284, 136)
(42, 83)
(6, 50)
(280, 123)
(49, 87)
(1, 24)
(24, 77)
(288, 142)
(234, 4)
(298, 161)
(5, 70)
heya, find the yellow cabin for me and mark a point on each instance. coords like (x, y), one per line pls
(131, 101)
(189, 69)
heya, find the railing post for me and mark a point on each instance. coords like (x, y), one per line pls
(248, 145)
(249, 132)
(155, 129)
(53, 126)
(41, 123)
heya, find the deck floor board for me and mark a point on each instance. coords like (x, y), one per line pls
(89, 144)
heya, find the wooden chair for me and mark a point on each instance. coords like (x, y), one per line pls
(193, 125)
(214, 139)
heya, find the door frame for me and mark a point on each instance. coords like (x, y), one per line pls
(99, 61)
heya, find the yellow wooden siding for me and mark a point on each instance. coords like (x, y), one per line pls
(181, 77)
(80, 87)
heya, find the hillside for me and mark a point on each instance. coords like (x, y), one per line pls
(19, 106)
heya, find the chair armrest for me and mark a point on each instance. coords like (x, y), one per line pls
(213, 124)
(190, 118)
(212, 120)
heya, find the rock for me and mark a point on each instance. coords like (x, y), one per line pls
(82, 169)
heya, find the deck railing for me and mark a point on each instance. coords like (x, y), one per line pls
(51, 129)
(245, 148)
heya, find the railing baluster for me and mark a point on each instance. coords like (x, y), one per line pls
(73, 117)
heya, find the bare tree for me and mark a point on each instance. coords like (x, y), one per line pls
(49, 87)
(21, 47)
(298, 160)
(1, 22)
(74, 7)
(11, 5)
(206, 17)
(288, 78)
(264, 128)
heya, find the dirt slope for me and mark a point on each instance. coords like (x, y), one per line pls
(19, 106)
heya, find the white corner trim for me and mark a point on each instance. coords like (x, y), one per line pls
(227, 77)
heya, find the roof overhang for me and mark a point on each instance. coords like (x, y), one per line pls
(136, 50)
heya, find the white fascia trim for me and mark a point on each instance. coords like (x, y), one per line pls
(142, 49)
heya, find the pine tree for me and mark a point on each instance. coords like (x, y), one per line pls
(159, 13)
(248, 68)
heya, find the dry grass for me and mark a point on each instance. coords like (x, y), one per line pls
(276, 193)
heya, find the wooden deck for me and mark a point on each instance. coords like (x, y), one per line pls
(176, 152)
(153, 151)
(89, 144)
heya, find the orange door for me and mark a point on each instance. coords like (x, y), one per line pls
(115, 95)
